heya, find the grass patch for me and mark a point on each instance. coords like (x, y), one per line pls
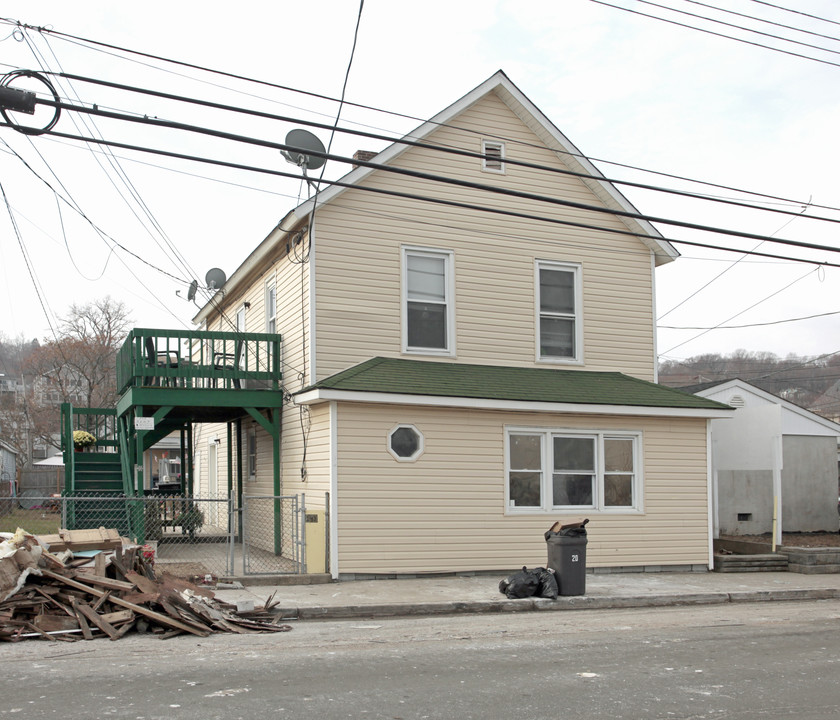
(38, 521)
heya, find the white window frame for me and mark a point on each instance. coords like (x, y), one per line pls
(240, 318)
(494, 145)
(577, 316)
(421, 443)
(547, 467)
(270, 313)
(449, 300)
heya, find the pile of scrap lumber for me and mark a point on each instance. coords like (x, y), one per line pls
(47, 592)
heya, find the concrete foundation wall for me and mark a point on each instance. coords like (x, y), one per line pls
(809, 491)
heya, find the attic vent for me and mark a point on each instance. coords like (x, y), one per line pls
(494, 156)
(737, 401)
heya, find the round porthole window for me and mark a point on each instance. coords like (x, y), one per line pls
(405, 443)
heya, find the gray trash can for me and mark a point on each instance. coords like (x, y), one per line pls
(567, 557)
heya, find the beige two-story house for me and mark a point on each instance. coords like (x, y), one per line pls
(467, 361)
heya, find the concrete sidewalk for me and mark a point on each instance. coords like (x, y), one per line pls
(480, 594)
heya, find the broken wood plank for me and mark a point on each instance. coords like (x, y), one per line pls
(140, 610)
(97, 620)
(83, 624)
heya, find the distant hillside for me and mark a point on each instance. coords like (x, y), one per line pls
(811, 382)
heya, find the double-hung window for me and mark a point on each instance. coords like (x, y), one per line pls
(428, 314)
(271, 308)
(557, 470)
(559, 324)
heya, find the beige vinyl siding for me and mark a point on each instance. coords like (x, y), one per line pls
(446, 511)
(358, 259)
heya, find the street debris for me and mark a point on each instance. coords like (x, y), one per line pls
(84, 584)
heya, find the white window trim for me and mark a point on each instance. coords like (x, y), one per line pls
(449, 286)
(420, 447)
(269, 286)
(546, 472)
(496, 144)
(574, 268)
(240, 311)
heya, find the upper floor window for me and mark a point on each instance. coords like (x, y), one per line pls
(559, 312)
(270, 308)
(494, 156)
(427, 301)
(240, 319)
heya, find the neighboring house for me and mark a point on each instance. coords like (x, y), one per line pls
(828, 404)
(8, 468)
(771, 448)
(457, 380)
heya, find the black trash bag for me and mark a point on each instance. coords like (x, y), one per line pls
(548, 583)
(522, 584)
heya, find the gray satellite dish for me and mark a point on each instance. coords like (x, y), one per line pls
(192, 289)
(215, 278)
(302, 144)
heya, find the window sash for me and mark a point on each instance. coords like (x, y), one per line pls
(427, 302)
(558, 311)
(271, 309)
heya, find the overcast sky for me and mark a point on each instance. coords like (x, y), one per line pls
(623, 87)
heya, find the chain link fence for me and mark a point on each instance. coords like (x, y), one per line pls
(191, 537)
(272, 534)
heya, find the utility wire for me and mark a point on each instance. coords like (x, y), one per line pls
(738, 314)
(749, 325)
(796, 12)
(716, 34)
(738, 27)
(763, 20)
(508, 192)
(431, 146)
(471, 131)
(448, 202)
(724, 271)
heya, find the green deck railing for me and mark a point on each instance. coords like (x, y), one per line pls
(201, 359)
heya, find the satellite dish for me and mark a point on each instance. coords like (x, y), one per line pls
(191, 291)
(215, 278)
(302, 144)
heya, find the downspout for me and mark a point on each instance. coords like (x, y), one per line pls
(313, 375)
(653, 319)
(711, 496)
(333, 538)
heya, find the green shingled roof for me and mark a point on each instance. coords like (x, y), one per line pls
(523, 384)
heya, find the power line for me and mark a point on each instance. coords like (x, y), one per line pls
(508, 192)
(738, 27)
(438, 147)
(447, 202)
(716, 34)
(796, 12)
(749, 325)
(773, 294)
(762, 20)
(99, 44)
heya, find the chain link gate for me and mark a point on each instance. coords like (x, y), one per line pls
(273, 537)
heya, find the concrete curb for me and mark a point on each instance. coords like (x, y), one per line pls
(582, 602)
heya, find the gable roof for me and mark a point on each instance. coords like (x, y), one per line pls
(542, 127)
(712, 388)
(529, 114)
(397, 380)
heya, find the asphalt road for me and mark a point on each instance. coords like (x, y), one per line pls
(732, 662)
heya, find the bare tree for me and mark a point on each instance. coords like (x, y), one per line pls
(78, 367)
